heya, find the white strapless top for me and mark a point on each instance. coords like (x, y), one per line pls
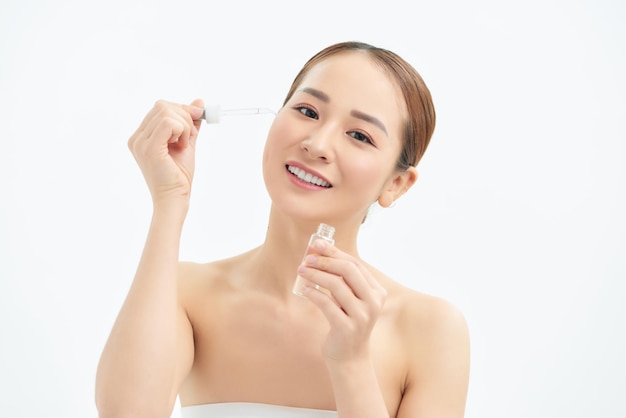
(252, 410)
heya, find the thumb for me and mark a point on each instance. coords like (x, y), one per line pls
(196, 108)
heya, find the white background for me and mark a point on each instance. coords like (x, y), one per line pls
(517, 218)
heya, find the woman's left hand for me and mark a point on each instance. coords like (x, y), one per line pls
(350, 297)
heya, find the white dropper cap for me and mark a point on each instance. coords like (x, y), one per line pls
(211, 114)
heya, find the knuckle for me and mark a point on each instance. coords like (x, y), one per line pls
(160, 104)
(362, 316)
(333, 285)
(171, 124)
(140, 150)
(354, 267)
(321, 262)
(380, 300)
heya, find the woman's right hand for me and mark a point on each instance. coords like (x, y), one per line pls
(164, 148)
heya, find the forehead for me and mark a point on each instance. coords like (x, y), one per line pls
(356, 81)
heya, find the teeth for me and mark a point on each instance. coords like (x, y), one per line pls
(308, 177)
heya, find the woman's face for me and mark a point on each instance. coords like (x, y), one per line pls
(332, 149)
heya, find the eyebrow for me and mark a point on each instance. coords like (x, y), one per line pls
(355, 113)
(316, 93)
(369, 118)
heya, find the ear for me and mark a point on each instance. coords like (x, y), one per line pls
(397, 185)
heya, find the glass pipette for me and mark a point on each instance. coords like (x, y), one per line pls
(213, 113)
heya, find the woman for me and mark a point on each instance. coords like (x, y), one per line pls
(230, 337)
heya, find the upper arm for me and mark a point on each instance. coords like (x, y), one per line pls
(438, 377)
(184, 338)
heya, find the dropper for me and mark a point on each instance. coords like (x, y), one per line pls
(213, 113)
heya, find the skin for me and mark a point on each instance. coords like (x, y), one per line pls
(232, 330)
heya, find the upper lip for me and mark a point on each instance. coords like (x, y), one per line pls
(308, 170)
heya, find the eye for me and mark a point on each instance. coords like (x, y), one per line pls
(361, 137)
(307, 111)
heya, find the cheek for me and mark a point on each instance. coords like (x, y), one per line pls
(274, 136)
(367, 174)
(278, 138)
(279, 133)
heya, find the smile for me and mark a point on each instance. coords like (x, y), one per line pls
(308, 177)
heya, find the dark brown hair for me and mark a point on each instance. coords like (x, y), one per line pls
(420, 124)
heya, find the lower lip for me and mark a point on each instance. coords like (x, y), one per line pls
(303, 184)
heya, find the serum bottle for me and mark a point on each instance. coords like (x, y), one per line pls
(324, 232)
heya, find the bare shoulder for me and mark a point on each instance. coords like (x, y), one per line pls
(429, 315)
(193, 276)
(435, 339)
(193, 272)
(430, 325)
(197, 281)
(420, 314)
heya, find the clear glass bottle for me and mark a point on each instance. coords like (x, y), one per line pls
(324, 232)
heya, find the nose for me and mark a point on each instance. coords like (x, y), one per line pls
(319, 144)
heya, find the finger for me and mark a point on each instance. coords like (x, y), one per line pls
(329, 258)
(193, 112)
(142, 128)
(349, 302)
(150, 121)
(168, 115)
(331, 285)
(335, 314)
(173, 127)
(334, 252)
(187, 113)
(156, 109)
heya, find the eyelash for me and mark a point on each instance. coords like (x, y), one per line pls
(300, 109)
(359, 136)
(364, 138)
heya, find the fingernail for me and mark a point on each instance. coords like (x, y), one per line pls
(319, 244)
(310, 259)
(197, 111)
